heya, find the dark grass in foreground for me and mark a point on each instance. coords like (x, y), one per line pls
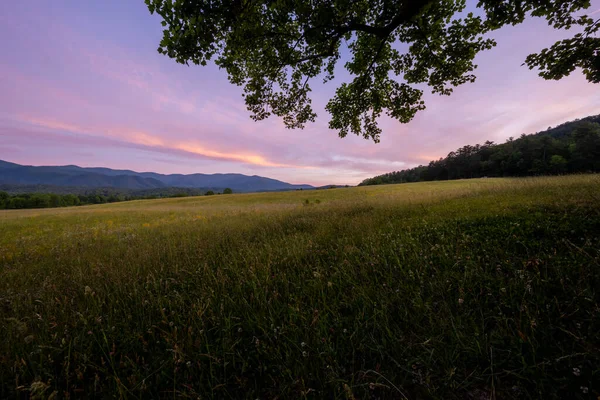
(467, 289)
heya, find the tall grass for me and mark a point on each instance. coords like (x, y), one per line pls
(463, 289)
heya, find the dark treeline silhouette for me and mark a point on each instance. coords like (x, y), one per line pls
(50, 200)
(573, 147)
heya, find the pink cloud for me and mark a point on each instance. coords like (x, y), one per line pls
(158, 143)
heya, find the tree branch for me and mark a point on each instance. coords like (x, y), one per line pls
(407, 12)
(410, 10)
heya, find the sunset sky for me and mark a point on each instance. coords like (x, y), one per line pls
(82, 83)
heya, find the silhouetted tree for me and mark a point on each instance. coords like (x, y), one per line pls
(274, 48)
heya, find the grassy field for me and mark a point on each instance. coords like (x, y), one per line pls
(475, 289)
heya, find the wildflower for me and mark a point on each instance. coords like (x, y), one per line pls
(171, 323)
(584, 389)
(576, 371)
(460, 301)
(304, 354)
(303, 344)
(88, 290)
(189, 364)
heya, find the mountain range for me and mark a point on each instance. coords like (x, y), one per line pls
(74, 176)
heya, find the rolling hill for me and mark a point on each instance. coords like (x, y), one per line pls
(74, 176)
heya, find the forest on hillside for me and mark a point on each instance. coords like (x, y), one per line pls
(573, 147)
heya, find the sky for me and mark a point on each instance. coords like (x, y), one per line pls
(81, 82)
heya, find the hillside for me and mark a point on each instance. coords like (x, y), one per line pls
(572, 147)
(74, 176)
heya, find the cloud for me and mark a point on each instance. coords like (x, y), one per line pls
(108, 92)
(157, 143)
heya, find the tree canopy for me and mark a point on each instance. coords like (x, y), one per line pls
(274, 49)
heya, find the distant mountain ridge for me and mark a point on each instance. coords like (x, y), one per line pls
(97, 177)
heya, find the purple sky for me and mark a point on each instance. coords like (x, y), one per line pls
(82, 83)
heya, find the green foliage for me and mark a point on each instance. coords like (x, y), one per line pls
(447, 290)
(274, 50)
(3, 199)
(569, 148)
(209, 193)
(38, 200)
(558, 164)
(51, 200)
(563, 57)
(227, 191)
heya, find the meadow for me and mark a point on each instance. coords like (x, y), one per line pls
(470, 289)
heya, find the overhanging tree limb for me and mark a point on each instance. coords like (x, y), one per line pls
(274, 48)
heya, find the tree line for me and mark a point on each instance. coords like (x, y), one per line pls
(51, 200)
(573, 147)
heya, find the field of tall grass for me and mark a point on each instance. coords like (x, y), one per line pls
(473, 289)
